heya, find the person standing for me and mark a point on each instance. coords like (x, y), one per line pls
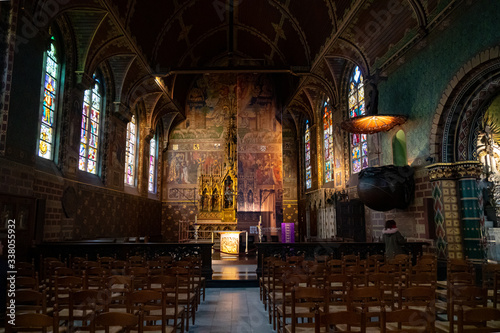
(393, 240)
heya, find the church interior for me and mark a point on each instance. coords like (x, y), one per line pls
(285, 132)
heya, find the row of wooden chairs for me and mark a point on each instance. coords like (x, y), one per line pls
(103, 321)
(119, 295)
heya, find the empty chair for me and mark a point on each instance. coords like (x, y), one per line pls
(150, 304)
(347, 321)
(116, 320)
(34, 322)
(407, 321)
(478, 320)
(31, 301)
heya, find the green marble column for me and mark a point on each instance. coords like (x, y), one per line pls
(471, 213)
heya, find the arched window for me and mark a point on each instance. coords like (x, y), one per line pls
(49, 102)
(328, 141)
(359, 145)
(307, 140)
(131, 152)
(90, 134)
(152, 165)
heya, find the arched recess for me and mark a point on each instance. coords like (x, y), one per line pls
(454, 130)
(399, 149)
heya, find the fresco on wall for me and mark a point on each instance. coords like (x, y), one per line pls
(201, 154)
(260, 158)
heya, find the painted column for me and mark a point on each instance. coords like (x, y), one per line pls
(446, 211)
(471, 214)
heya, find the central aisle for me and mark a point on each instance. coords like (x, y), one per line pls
(231, 310)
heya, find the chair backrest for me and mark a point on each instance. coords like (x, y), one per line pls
(27, 282)
(407, 320)
(31, 301)
(418, 296)
(146, 301)
(349, 318)
(122, 320)
(34, 322)
(478, 318)
(304, 299)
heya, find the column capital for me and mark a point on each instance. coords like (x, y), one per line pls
(457, 170)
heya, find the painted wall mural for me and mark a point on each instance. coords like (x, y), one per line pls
(260, 153)
(224, 161)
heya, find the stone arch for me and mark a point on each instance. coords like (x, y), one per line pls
(469, 91)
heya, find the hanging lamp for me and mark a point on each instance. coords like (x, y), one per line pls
(372, 122)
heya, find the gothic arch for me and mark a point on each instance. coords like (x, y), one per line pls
(467, 95)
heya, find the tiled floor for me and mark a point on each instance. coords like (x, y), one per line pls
(231, 310)
(233, 272)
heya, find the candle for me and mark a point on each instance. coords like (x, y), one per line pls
(195, 219)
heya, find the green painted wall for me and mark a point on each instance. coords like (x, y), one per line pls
(416, 87)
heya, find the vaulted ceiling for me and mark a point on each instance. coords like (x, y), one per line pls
(157, 48)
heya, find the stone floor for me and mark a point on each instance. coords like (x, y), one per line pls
(231, 310)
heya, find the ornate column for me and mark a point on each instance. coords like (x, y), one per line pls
(446, 211)
(458, 214)
(469, 172)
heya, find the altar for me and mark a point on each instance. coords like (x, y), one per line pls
(230, 241)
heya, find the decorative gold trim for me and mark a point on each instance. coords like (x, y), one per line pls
(457, 170)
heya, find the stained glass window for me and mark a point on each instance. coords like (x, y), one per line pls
(89, 137)
(328, 141)
(49, 100)
(130, 152)
(359, 145)
(308, 157)
(152, 166)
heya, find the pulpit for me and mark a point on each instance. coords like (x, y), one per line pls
(230, 241)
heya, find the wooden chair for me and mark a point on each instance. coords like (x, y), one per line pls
(124, 322)
(63, 287)
(418, 298)
(106, 262)
(407, 321)
(477, 320)
(463, 296)
(76, 263)
(31, 301)
(369, 299)
(83, 307)
(347, 321)
(34, 322)
(454, 280)
(24, 268)
(275, 291)
(339, 286)
(187, 297)
(199, 279)
(489, 272)
(95, 277)
(119, 286)
(388, 286)
(150, 304)
(169, 285)
(28, 282)
(119, 267)
(305, 302)
(284, 308)
(335, 266)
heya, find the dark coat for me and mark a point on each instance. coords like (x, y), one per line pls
(393, 242)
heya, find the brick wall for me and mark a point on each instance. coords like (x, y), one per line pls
(99, 212)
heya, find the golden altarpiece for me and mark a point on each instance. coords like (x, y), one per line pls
(219, 187)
